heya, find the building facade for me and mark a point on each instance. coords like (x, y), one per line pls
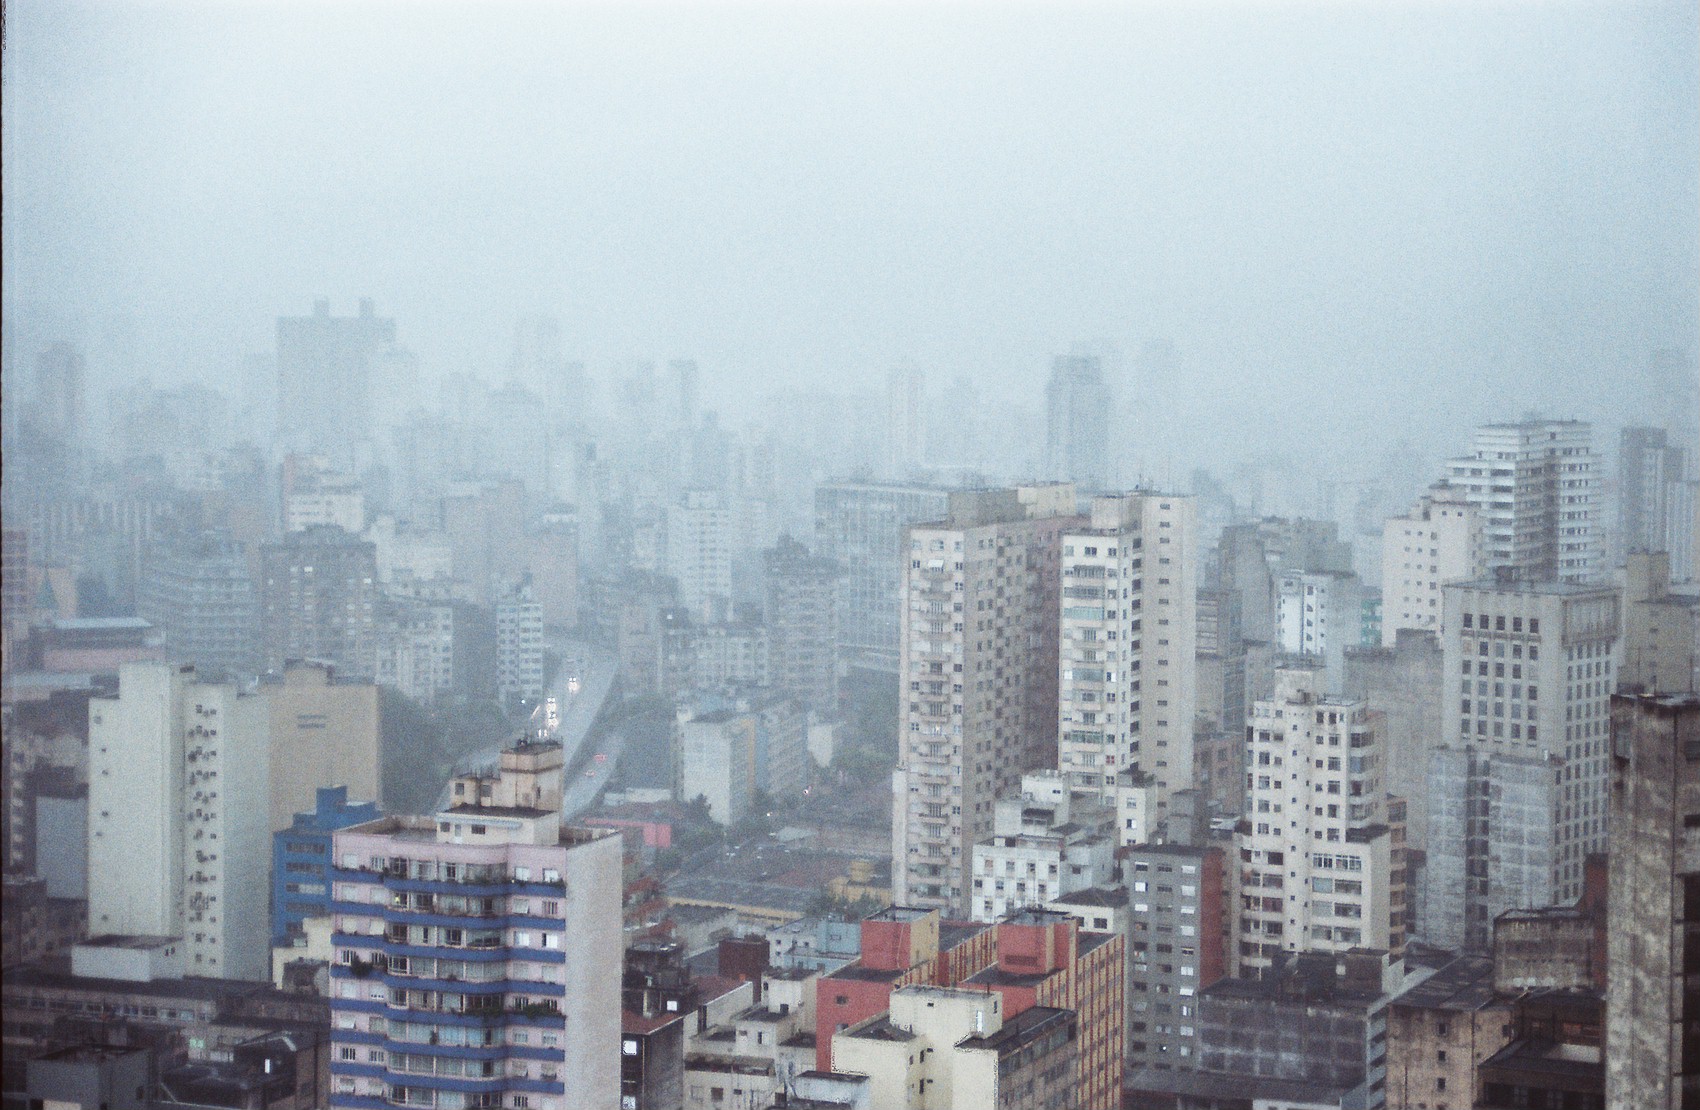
(319, 600)
(979, 678)
(519, 644)
(861, 526)
(1438, 541)
(201, 598)
(1654, 908)
(799, 604)
(1318, 859)
(1537, 487)
(1128, 651)
(1535, 665)
(477, 963)
(301, 862)
(178, 843)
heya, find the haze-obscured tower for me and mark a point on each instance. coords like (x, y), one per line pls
(861, 526)
(325, 371)
(1077, 408)
(905, 422)
(1655, 511)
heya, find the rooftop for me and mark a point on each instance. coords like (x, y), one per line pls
(1022, 1029)
(1465, 984)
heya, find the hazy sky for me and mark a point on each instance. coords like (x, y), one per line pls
(1429, 213)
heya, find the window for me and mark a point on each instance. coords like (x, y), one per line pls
(629, 1047)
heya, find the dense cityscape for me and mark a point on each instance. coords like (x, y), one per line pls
(414, 703)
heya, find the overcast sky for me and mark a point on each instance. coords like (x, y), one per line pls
(1339, 214)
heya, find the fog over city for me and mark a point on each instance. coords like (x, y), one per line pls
(849, 555)
(1416, 215)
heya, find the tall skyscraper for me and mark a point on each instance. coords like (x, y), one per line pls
(477, 956)
(905, 423)
(324, 366)
(202, 599)
(1534, 666)
(519, 643)
(980, 604)
(1653, 924)
(699, 553)
(1652, 510)
(1128, 687)
(1077, 408)
(61, 394)
(861, 526)
(178, 840)
(1438, 541)
(1537, 487)
(318, 600)
(1318, 860)
(799, 604)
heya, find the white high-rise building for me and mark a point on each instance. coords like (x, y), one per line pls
(477, 955)
(1317, 861)
(979, 678)
(1127, 682)
(1320, 614)
(1537, 487)
(1438, 541)
(699, 553)
(179, 843)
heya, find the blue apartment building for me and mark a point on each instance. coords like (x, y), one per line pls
(301, 861)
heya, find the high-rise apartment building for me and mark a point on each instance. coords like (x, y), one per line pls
(1438, 541)
(1077, 422)
(699, 553)
(519, 643)
(1532, 667)
(1652, 510)
(301, 862)
(325, 369)
(1320, 614)
(1537, 487)
(861, 526)
(1318, 860)
(801, 613)
(980, 605)
(318, 600)
(178, 843)
(1177, 946)
(202, 599)
(1653, 927)
(477, 962)
(1128, 655)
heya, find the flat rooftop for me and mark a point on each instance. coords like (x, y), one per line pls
(1023, 1029)
(1464, 985)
